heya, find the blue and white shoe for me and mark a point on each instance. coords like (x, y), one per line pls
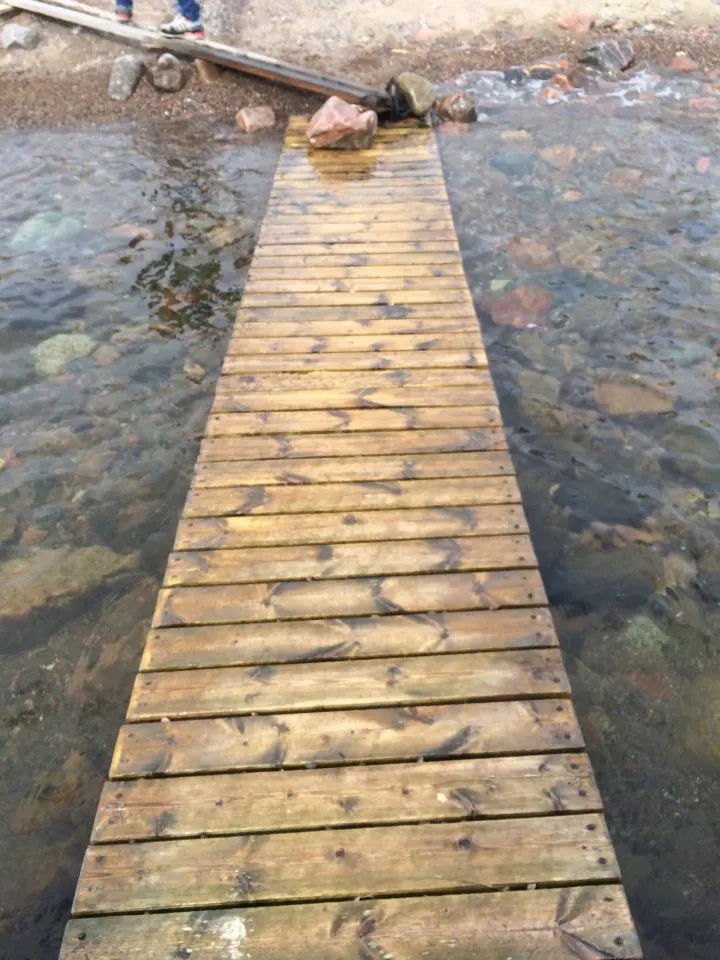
(181, 27)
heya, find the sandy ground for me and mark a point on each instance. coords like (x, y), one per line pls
(64, 79)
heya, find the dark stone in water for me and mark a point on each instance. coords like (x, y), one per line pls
(516, 76)
(610, 56)
(700, 232)
(513, 163)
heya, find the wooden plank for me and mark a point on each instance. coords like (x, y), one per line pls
(345, 737)
(256, 285)
(389, 246)
(389, 297)
(387, 360)
(339, 560)
(369, 343)
(254, 64)
(217, 533)
(339, 685)
(285, 447)
(348, 379)
(363, 312)
(586, 921)
(344, 796)
(283, 207)
(344, 863)
(367, 397)
(344, 328)
(335, 469)
(328, 421)
(338, 497)
(326, 259)
(301, 600)
(182, 648)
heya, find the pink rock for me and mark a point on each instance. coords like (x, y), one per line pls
(457, 107)
(427, 36)
(681, 61)
(342, 126)
(251, 119)
(577, 22)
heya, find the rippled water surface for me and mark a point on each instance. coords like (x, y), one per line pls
(590, 235)
(122, 255)
(590, 231)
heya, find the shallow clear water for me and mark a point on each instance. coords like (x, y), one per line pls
(136, 261)
(609, 390)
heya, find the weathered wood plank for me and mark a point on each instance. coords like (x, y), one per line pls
(344, 421)
(327, 259)
(300, 600)
(365, 398)
(289, 447)
(287, 210)
(557, 924)
(384, 360)
(344, 796)
(422, 311)
(370, 271)
(342, 863)
(325, 561)
(354, 736)
(222, 533)
(182, 648)
(336, 469)
(390, 246)
(356, 344)
(351, 380)
(389, 297)
(339, 685)
(338, 497)
(332, 328)
(256, 285)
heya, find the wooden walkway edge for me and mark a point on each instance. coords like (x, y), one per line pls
(351, 737)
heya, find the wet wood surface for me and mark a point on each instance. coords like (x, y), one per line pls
(351, 734)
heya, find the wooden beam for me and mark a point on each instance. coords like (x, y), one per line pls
(254, 64)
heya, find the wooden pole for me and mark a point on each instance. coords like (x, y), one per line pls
(254, 64)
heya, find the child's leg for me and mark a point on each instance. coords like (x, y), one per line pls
(123, 10)
(190, 9)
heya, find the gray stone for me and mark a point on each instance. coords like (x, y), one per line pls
(513, 163)
(610, 56)
(420, 93)
(45, 233)
(126, 74)
(53, 355)
(167, 74)
(23, 38)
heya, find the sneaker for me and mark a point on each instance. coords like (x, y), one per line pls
(180, 26)
(123, 14)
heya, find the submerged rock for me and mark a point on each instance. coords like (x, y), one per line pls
(644, 634)
(53, 355)
(167, 74)
(610, 56)
(342, 126)
(516, 76)
(633, 399)
(524, 306)
(513, 163)
(458, 108)
(251, 119)
(42, 576)
(125, 75)
(46, 232)
(420, 93)
(14, 35)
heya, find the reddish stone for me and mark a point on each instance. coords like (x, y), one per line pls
(703, 165)
(559, 155)
(572, 196)
(550, 94)
(453, 128)
(342, 126)
(427, 36)
(251, 119)
(577, 22)
(458, 107)
(561, 81)
(681, 61)
(705, 103)
(521, 307)
(652, 683)
(530, 254)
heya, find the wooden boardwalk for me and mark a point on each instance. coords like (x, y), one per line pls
(352, 736)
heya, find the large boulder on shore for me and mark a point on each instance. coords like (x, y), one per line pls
(342, 126)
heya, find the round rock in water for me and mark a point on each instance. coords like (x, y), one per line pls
(125, 76)
(46, 233)
(167, 74)
(513, 163)
(420, 93)
(53, 355)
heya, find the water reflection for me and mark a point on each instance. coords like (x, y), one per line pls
(122, 255)
(590, 236)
